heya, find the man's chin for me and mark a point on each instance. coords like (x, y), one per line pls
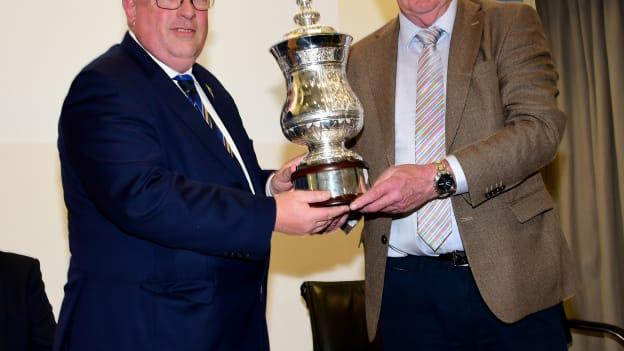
(184, 53)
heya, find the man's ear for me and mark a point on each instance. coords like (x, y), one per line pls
(130, 10)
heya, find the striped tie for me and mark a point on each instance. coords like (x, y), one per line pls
(434, 219)
(187, 84)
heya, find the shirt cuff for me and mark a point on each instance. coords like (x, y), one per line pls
(267, 186)
(458, 172)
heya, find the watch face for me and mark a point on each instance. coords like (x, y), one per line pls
(445, 184)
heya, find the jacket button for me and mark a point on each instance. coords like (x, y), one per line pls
(384, 239)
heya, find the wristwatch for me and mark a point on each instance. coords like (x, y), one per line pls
(444, 182)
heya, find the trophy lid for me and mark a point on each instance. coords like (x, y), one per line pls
(307, 19)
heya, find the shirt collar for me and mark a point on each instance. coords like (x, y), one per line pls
(172, 73)
(408, 29)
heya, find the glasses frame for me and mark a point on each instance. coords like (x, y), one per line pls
(210, 5)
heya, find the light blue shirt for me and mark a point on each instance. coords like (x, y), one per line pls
(403, 236)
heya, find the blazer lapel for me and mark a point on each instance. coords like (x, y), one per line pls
(187, 113)
(465, 45)
(382, 71)
(228, 117)
(174, 100)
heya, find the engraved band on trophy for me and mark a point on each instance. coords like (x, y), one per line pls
(321, 110)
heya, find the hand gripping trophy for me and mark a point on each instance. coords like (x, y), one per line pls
(321, 110)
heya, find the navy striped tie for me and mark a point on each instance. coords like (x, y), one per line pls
(187, 84)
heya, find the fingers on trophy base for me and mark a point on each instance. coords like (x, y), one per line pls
(345, 180)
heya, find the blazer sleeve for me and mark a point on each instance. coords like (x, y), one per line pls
(112, 146)
(533, 125)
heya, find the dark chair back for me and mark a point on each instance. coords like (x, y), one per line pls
(337, 316)
(597, 329)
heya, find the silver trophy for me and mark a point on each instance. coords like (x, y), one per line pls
(321, 110)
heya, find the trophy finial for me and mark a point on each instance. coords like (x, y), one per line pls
(306, 20)
(307, 16)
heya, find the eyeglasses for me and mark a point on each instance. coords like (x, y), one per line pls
(199, 5)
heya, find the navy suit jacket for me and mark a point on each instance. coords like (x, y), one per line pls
(169, 247)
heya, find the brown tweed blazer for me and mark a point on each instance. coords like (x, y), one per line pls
(503, 126)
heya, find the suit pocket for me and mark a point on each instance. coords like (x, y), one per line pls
(532, 205)
(194, 291)
(181, 314)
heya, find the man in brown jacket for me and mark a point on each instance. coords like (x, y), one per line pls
(463, 246)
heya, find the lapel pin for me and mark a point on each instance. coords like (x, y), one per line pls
(209, 90)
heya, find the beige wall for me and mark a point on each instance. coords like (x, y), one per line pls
(45, 44)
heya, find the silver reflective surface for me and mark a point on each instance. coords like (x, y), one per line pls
(339, 182)
(321, 110)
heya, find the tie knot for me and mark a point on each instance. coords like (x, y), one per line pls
(429, 37)
(187, 83)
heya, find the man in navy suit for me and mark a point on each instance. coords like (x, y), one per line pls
(169, 225)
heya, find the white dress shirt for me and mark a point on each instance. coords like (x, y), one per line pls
(404, 239)
(213, 113)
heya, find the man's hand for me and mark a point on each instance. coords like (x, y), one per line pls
(399, 189)
(336, 223)
(296, 216)
(281, 180)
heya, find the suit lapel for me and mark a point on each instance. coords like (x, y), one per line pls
(170, 95)
(187, 113)
(227, 115)
(383, 83)
(465, 45)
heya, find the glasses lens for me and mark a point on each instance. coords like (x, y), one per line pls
(168, 4)
(203, 5)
